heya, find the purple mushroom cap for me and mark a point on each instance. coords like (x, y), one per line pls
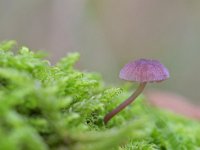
(144, 70)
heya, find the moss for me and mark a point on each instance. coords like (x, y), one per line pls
(58, 107)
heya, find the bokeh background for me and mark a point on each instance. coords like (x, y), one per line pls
(109, 33)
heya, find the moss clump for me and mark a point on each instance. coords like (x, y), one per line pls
(58, 107)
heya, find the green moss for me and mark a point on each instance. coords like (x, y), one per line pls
(58, 107)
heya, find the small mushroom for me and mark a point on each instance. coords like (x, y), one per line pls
(142, 71)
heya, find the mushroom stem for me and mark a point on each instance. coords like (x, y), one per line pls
(111, 114)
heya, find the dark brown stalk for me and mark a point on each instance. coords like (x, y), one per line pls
(111, 114)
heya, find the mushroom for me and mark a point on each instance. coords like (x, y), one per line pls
(142, 71)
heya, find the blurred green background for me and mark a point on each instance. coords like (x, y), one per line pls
(109, 33)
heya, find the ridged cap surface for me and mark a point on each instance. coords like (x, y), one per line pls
(144, 70)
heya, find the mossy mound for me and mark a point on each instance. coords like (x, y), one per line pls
(58, 107)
